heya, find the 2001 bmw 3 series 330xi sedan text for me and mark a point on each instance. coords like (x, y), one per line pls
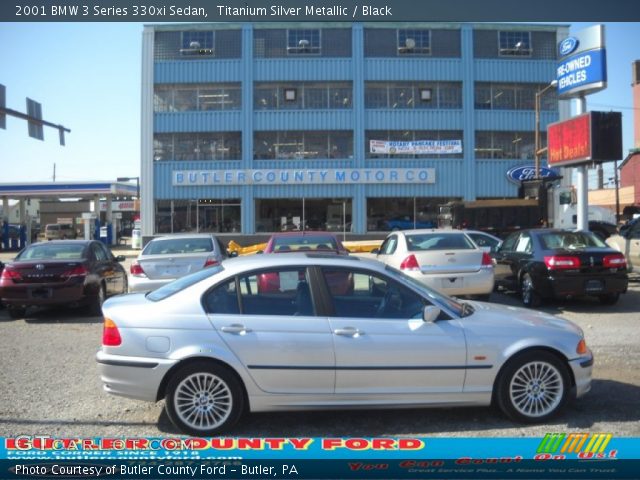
(216, 343)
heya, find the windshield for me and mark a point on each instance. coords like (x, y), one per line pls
(571, 240)
(182, 283)
(52, 251)
(174, 246)
(459, 308)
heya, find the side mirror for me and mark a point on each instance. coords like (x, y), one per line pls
(376, 251)
(120, 258)
(233, 254)
(430, 314)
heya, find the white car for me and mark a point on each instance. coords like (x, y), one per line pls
(166, 258)
(445, 260)
(487, 242)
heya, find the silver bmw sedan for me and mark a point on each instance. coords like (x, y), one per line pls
(337, 332)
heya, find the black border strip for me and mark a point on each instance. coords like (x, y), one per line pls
(126, 363)
(410, 367)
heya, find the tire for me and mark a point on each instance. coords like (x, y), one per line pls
(530, 298)
(95, 307)
(609, 298)
(533, 387)
(16, 313)
(204, 399)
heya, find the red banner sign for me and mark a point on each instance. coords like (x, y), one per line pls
(569, 142)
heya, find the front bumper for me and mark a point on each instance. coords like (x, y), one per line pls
(132, 377)
(582, 369)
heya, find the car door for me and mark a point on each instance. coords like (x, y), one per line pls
(505, 259)
(382, 344)
(105, 269)
(275, 333)
(387, 248)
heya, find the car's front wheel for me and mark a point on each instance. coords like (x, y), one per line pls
(204, 399)
(533, 387)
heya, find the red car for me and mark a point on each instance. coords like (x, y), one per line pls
(319, 242)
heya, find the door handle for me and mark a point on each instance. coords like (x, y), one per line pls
(236, 329)
(348, 332)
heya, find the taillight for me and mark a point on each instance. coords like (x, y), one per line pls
(486, 260)
(10, 274)
(410, 263)
(616, 260)
(78, 271)
(136, 269)
(210, 262)
(558, 262)
(110, 334)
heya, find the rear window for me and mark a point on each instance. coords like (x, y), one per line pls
(570, 240)
(438, 241)
(182, 283)
(49, 251)
(301, 244)
(178, 245)
(52, 227)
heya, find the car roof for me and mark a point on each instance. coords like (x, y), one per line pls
(182, 236)
(431, 230)
(250, 262)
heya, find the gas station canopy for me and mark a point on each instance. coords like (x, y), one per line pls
(65, 189)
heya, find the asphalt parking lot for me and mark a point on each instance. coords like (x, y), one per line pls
(50, 385)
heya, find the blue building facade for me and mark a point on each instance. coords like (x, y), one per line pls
(251, 128)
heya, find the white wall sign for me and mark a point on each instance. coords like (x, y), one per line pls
(417, 147)
(187, 178)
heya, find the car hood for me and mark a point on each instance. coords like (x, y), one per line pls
(505, 318)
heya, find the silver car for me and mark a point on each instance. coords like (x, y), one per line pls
(164, 259)
(445, 260)
(218, 342)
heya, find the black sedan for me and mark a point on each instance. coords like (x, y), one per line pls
(65, 272)
(545, 263)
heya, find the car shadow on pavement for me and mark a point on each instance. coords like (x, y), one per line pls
(61, 315)
(628, 303)
(608, 401)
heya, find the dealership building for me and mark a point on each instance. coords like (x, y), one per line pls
(261, 127)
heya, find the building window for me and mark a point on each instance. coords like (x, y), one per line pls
(185, 98)
(303, 42)
(386, 214)
(453, 136)
(303, 145)
(316, 96)
(514, 44)
(404, 95)
(326, 214)
(414, 42)
(506, 145)
(197, 146)
(505, 96)
(197, 43)
(202, 215)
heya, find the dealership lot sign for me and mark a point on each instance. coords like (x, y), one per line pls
(583, 67)
(187, 178)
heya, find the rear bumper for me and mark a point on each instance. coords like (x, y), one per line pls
(566, 285)
(45, 294)
(472, 283)
(132, 377)
(144, 284)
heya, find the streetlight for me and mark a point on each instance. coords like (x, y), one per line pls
(538, 147)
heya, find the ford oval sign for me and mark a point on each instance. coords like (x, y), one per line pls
(528, 172)
(567, 46)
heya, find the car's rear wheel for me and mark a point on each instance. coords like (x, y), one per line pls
(530, 298)
(533, 387)
(204, 399)
(609, 298)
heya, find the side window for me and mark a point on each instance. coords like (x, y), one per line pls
(524, 244)
(358, 294)
(389, 245)
(105, 251)
(282, 291)
(99, 253)
(223, 299)
(635, 231)
(510, 243)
